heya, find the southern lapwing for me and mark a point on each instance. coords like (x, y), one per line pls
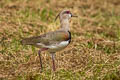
(53, 41)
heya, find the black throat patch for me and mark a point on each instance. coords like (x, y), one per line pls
(69, 36)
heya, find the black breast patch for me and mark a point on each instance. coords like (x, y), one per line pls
(69, 36)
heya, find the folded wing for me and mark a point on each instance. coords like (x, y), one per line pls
(47, 39)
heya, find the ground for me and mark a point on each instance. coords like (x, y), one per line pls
(93, 54)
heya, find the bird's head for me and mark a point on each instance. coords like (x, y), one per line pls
(65, 14)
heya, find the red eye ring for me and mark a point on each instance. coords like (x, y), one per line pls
(68, 12)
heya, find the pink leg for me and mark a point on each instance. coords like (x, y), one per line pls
(39, 53)
(53, 61)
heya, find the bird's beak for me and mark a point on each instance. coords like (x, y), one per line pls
(74, 16)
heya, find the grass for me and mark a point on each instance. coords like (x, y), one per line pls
(92, 55)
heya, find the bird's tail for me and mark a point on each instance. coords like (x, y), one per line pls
(26, 41)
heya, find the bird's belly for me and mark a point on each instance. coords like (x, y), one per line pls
(54, 47)
(58, 47)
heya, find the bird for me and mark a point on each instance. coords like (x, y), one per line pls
(53, 41)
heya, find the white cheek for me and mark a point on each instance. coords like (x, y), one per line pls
(70, 15)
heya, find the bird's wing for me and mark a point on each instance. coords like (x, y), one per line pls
(48, 38)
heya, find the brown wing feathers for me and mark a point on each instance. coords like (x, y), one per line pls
(47, 39)
(31, 40)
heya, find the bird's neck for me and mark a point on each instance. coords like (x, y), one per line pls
(65, 24)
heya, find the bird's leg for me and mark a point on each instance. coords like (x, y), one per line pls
(53, 61)
(39, 53)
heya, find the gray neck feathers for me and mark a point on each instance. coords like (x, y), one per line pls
(65, 24)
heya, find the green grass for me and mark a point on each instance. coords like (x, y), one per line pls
(92, 55)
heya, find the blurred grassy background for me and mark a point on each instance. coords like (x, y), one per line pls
(94, 53)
